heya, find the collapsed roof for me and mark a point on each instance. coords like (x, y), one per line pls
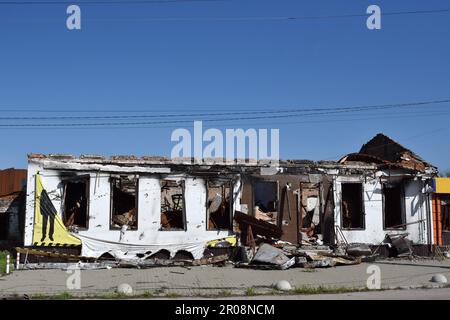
(385, 152)
(381, 152)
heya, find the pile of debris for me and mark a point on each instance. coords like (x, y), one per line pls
(263, 250)
(257, 245)
(268, 256)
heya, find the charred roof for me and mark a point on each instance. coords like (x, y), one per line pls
(385, 152)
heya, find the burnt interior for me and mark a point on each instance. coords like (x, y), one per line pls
(352, 206)
(266, 201)
(393, 206)
(124, 202)
(219, 206)
(310, 206)
(75, 203)
(172, 205)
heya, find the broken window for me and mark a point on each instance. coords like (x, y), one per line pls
(352, 205)
(219, 206)
(75, 203)
(124, 202)
(310, 205)
(266, 201)
(172, 205)
(393, 206)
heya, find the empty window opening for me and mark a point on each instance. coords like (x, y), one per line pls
(124, 202)
(266, 201)
(172, 205)
(75, 209)
(310, 206)
(219, 206)
(393, 206)
(352, 206)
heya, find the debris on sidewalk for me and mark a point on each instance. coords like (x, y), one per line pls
(70, 265)
(149, 263)
(358, 250)
(399, 245)
(285, 255)
(222, 243)
(268, 254)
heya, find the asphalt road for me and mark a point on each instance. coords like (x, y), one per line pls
(210, 280)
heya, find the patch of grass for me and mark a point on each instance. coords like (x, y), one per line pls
(250, 291)
(120, 295)
(224, 293)
(322, 289)
(172, 294)
(309, 270)
(113, 295)
(148, 294)
(3, 255)
(63, 296)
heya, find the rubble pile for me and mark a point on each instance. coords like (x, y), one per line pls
(257, 245)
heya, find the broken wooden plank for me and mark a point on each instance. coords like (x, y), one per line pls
(259, 227)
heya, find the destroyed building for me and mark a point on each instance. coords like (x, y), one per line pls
(12, 206)
(137, 208)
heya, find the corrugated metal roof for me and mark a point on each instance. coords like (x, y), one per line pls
(12, 180)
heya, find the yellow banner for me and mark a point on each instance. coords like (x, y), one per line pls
(49, 230)
(442, 185)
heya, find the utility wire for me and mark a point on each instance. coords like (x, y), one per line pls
(268, 18)
(226, 124)
(302, 111)
(107, 124)
(207, 19)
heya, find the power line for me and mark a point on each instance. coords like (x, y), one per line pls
(273, 116)
(209, 19)
(269, 18)
(313, 111)
(227, 124)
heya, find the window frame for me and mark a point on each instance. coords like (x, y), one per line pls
(111, 204)
(183, 192)
(363, 207)
(87, 179)
(402, 206)
(277, 183)
(231, 185)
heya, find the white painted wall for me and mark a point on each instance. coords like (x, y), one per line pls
(148, 208)
(415, 210)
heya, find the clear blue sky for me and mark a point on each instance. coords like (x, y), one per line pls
(187, 63)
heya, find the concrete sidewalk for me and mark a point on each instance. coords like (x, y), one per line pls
(211, 280)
